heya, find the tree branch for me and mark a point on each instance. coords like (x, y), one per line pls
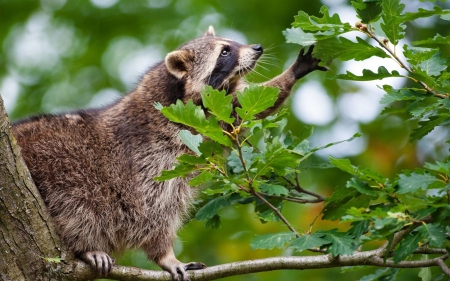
(268, 264)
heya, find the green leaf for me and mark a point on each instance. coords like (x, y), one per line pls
(209, 148)
(303, 148)
(357, 135)
(324, 27)
(194, 116)
(212, 207)
(266, 214)
(270, 241)
(438, 39)
(305, 133)
(345, 49)
(342, 200)
(374, 276)
(192, 141)
(369, 175)
(393, 95)
(425, 273)
(362, 187)
(254, 100)
(434, 233)
(414, 182)
(367, 11)
(341, 243)
(440, 167)
(434, 66)
(427, 126)
(274, 189)
(276, 159)
(188, 114)
(422, 13)
(359, 228)
(312, 23)
(200, 179)
(385, 226)
(298, 36)
(393, 25)
(180, 170)
(368, 75)
(218, 103)
(309, 241)
(391, 276)
(235, 162)
(416, 55)
(214, 222)
(191, 159)
(344, 165)
(407, 246)
(335, 210)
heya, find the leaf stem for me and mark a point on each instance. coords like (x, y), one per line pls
(241, 158)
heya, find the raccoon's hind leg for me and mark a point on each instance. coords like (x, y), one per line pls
(99, 261)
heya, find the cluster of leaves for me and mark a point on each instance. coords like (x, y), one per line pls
(418, 201)
(235, 165)
(245, 160)
(384, 22)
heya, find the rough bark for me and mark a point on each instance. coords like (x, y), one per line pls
(27, 237)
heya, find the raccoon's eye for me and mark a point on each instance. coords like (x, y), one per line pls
(225, 52)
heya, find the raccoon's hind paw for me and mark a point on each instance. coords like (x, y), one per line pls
(99, 261)
(178, 269)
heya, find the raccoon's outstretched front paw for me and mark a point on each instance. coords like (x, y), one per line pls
(99, 261)
(178, 269)
(306, 63)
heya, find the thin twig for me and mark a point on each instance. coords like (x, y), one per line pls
(277, 212)
(296, 200)
(430, 251)
(398, 236)
(403, 65)
(301, 190)
(443, 266)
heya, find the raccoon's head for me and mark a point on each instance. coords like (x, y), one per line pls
(212, 60)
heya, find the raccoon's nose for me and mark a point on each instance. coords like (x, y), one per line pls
(258, 48)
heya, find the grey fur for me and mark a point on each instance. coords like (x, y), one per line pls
(95, 168)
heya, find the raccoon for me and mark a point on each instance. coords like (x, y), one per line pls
(94, 168)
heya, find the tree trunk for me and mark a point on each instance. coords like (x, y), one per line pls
(28, 241)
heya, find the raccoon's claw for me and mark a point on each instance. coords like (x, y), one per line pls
(194, 266)
(306, 63)
(178, 270)
(99, 261)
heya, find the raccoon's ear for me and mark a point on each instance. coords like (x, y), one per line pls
(210, 31)
(177, 62)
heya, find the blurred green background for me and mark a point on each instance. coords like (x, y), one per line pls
(58, 55)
